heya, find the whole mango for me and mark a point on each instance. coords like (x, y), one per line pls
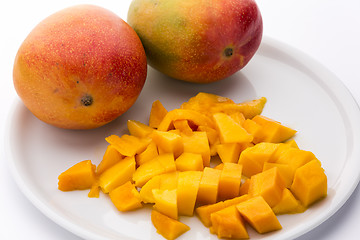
(198, 41)
(80, 68)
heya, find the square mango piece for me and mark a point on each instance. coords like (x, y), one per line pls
(268, 184)
(310, 183)
(197, 142)
(78, 177)
(125, 197)
(168, 142)
(169, 228)
(228, 223)
(253, 158)
(187, 190)
(117, 175)
(163, 163)
(209, 186)
(166, 202)
(259, 215)
(189, 162)
(230, 181)
(288, 204)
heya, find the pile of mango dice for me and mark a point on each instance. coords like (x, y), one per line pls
(219, 160)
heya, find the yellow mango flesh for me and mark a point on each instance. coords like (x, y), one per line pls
(259, 215)
(168, 142)
(229, 152)
(117, 175)
(228, 223)
(128, 145)
(272, 131)
(192, 116)
(166, 202)
(197, 143)
(189, 162)
(204, 212)
(310, 183)
(229, 130)
(163, 163)
(296, 157)
(78, 177)
(149, 153)
(125, 197)
(288, 204)
(110, 158)
(157, 113)
(138, 129)
(253, 158)
(187, 189)
(285, 171)
(268, 184)
(209, 185)
(230, 181)
(169, 228)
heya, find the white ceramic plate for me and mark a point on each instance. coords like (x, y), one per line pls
(301, 94)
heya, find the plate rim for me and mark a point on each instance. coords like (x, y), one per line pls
(85, 233)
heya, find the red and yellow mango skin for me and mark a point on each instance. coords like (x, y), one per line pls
(197, 41)
(80, 68)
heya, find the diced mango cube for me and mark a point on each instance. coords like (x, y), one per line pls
(149, 153)
(229, 152)
(254, 129)
(125, 197)
(163, 163)
(117, 175)
(197, 143)
(187, 189)
(138, 129)
(163, 181)
(259, 215)
(296, 157)
(310, 183)
(229, 130)
(78, 177)
(157, 114)
(230, 181)
(168, 142)
(285, 171)
(228, 223)
(273, 131)
(253, 158)
(209, 185)
(169, 228)
(166, 202)
(189, 162)
(288, 204)
(204, 212)
(268, 184)
(110, 158)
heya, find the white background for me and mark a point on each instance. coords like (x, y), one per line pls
(327, 30)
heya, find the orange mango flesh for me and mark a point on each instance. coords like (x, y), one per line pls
(168, 227)
(78, 177)
(171, 168)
